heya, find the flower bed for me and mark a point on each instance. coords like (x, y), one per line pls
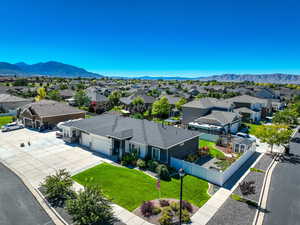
(165, 211)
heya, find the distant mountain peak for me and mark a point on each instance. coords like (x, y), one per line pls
(50, 68)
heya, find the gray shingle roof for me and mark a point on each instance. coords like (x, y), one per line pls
(47, 108)
(218, 118)
(139, 131)
(11, 98)
(205, 103)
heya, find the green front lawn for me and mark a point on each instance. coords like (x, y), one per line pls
(129, 187)
(5, 120)
(213, 151)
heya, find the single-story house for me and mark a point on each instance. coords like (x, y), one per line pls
(47, 114)
(66, 93)
(217, 122)
(11, 103)
(115, 135)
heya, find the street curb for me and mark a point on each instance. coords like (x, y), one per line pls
(259, 216)
(53, 216)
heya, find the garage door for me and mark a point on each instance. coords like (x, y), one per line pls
(85, 139)
(102, 144)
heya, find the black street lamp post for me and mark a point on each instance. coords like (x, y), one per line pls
(181, 174)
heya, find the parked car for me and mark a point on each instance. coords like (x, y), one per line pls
(244, 135)
(59, 134)
(12, 126)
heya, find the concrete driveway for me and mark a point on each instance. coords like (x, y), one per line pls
(44, 155)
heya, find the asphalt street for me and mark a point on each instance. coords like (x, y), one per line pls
(284, 196)
(17, 204)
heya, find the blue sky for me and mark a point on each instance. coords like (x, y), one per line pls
(157, 37)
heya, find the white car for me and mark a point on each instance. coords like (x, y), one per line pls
(244, 135)
(12, 126)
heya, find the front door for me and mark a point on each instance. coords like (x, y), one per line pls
(116, 147)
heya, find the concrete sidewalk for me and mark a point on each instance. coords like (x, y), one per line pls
(206, 212)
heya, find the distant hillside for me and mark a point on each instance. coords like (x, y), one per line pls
(50, 68)
(259, 78)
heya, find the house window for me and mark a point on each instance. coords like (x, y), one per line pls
(156, 154)
(236, 147)
(242, 148)
(134, 148)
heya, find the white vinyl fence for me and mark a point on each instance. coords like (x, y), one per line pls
(211, 175)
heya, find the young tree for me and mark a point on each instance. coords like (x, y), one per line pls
(114, 98)
(275, 134)
(161, 108)
(81, 98)
(181, 102)
(90, 207)
(41, 94)
(58, 187)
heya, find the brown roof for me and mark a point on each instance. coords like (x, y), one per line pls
(47, 108)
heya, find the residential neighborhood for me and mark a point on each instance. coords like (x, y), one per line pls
(128, 139)
(128, 112)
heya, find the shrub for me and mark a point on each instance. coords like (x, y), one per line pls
(58, 187)
(147, 208)
(175, 206)
(247, 187)
(186, 216)
(90, 207)
(156, 211)
(163, 172)
(165, 219)
(192, 157)
(141, 164)
(152, 165)
(164, 203)
(129, 159)
(167, 216)
(188, 206)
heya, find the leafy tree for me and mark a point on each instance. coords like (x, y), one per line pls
(63, 86)
(53, 95)
(114, 98)
(161, 108)
(41, 94)
(58, 187)
(138, 105)
(81, 99)
(275, 134)
(20, 82)
(90, 207)
(181, 102)
(287, 116)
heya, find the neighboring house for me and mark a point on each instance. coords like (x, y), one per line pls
(202, 107)
(98, 100)
(148, 100)
(265, 93)
(248, 114)
(261, 107)
(114, 135)
(217, 122)
(66, 94)
(47, 114)
(12, 103)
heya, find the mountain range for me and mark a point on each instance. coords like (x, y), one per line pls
(58, 69)
(50, 68)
